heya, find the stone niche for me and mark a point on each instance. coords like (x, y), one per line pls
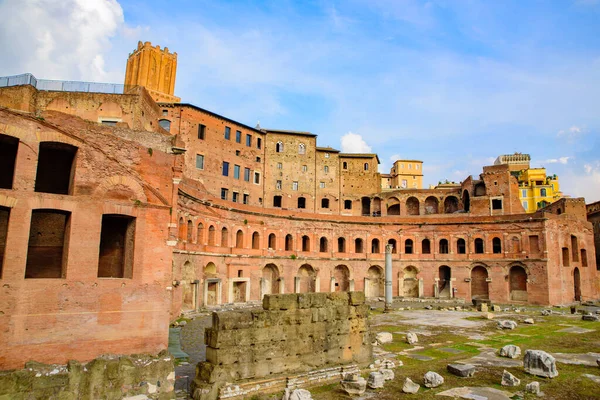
(292, 334)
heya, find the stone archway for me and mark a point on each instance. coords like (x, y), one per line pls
(410, 283)
(577, 284)
(306, 279)
(479, 283)
(212, 285)
(341, 274)
(518, 283)
(270, 279)
(444, 286)
(375, 283)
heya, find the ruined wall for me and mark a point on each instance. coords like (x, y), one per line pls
(292, 333)
(106, 377)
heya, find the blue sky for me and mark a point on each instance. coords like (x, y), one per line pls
(453, 83)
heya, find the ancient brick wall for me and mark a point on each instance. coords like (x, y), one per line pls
(292, 333)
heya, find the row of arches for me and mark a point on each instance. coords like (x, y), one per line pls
(412, 206)
(186, 232)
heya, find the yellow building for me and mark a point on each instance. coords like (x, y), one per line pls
(536, 189)
(405, 174)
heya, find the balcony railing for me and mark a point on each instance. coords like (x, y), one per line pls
(62, 86)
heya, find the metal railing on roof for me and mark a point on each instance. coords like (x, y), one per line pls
(61, 86)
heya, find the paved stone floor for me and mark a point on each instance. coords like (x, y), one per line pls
(192, 342)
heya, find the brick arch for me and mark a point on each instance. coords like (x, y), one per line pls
(480, 264)
(15, 131)
(60, 104)
(53, 136)
(126, 181)
(110, 109)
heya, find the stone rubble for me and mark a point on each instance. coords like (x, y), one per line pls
(533, 387)
(376, 380)
(509, 379)
(354, 384)
(540, 363)
(411, 338)
(510, 351)
(590, 317)
(507, 324)
(462, 370)
(296, 394)
(432, 379)
(388, 374)
(529, 321)
(384, 337)
(410, 386)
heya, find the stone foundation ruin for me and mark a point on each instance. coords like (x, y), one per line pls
(293, 341)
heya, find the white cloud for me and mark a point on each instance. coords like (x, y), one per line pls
(572, 132)
(354, 143)
(395, 157)
(560, 160)
(583, 183)
(65, 39)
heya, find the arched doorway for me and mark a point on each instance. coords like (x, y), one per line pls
(431, 205)
(479, 284)
(466, 201)
(410, 284)
(412, 206)
(450, 205)
(212, 284)
(393, 206)
(341, 274)
(444, 275)
(518, 283)
(270, 276)
(306, 279)
(375, 282)
(577, 284)
(366, 206)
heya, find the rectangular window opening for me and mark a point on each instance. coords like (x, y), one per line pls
(258, 143)
(199, 161)
(497, 204)
(55, 168)
(116, 246)
(201, 131)
(227, 133)
(48, 241)
(236, 171)
(224, 193)
(8, 155)
(236, 197)
(246, 198)
(238, 137)
(225, 168)
(248, 140)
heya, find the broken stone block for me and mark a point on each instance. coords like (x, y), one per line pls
(540, 363)
(483, 307)
(509, 379)
(510, 351)
(354, 384)
(432, 379)
(488, 315)
(533, 387)
(507, 324)
(546, 312)
(429, 307)
(598, 361)
(376, 380)
(496, 308)
(411, 338)
(590, 317)
(388, 374)
(410, 386)
(296, 394)
(462, 370)
(389, 364)
(384, 337)
(529, 321)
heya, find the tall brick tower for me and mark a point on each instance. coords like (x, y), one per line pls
(154, 69)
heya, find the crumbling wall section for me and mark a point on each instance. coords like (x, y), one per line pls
(292, 333)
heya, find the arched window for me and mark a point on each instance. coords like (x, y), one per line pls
(358, 245)
(182, 229)
(543, 192)
(375, 246)
(408, 246)
(305, 243)
(461, 247)
(255, 241)
(443, 246)
(345, 165)
(323, 244)
(426, 246)
(479, 246)
(301, 148)
(366, 166)
(239, 239)
(272, 241)
(289, 242)
(279, 147)
(496, 245)
(224, 237)
(190, 231)
(211, 236)
(165, 124)
(200, 234)
(324, 203)
(341, 245)
(392, 242)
